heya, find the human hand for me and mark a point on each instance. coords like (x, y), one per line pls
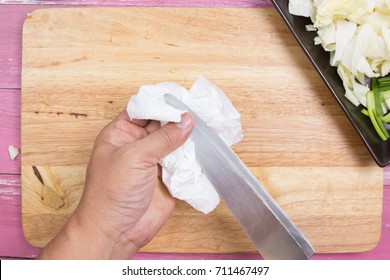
(123, 205)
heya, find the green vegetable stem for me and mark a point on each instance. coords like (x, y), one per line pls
(380, 91)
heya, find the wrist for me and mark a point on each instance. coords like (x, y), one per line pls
(81, 239)
(101, 244)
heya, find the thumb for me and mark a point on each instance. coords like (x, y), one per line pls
(168, 138)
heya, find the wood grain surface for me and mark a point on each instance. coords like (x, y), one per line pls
(80, 67)
(150, 3)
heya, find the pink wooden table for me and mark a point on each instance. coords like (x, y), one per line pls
(12, 242)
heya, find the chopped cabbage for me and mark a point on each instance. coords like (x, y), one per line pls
(329, 11)
(327, 37)
(301, 7)
(357, 35)
(345, 31)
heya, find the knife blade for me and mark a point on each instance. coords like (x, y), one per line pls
(270, 229)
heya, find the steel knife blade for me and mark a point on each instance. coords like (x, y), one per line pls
(270, 229)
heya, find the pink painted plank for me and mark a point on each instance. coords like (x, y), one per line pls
(9, 129)
(12, 241)
(151, 3)
(12, 18)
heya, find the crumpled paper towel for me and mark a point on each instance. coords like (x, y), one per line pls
(181, 172)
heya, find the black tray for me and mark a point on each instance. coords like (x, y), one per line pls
(379, 150)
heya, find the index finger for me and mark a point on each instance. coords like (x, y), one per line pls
(124, 116)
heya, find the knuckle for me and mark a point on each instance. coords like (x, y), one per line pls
(139, 134)
(168, 141)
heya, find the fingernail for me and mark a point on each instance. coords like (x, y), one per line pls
(185, 121)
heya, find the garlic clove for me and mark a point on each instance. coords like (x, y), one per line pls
(13, 152)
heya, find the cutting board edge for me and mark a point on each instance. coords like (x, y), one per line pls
(75, 8)
(358, 248)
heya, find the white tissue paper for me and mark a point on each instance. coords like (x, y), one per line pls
(181, 172)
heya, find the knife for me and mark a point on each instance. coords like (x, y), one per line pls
(270, 229)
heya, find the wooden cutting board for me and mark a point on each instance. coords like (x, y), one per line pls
(81, 66)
